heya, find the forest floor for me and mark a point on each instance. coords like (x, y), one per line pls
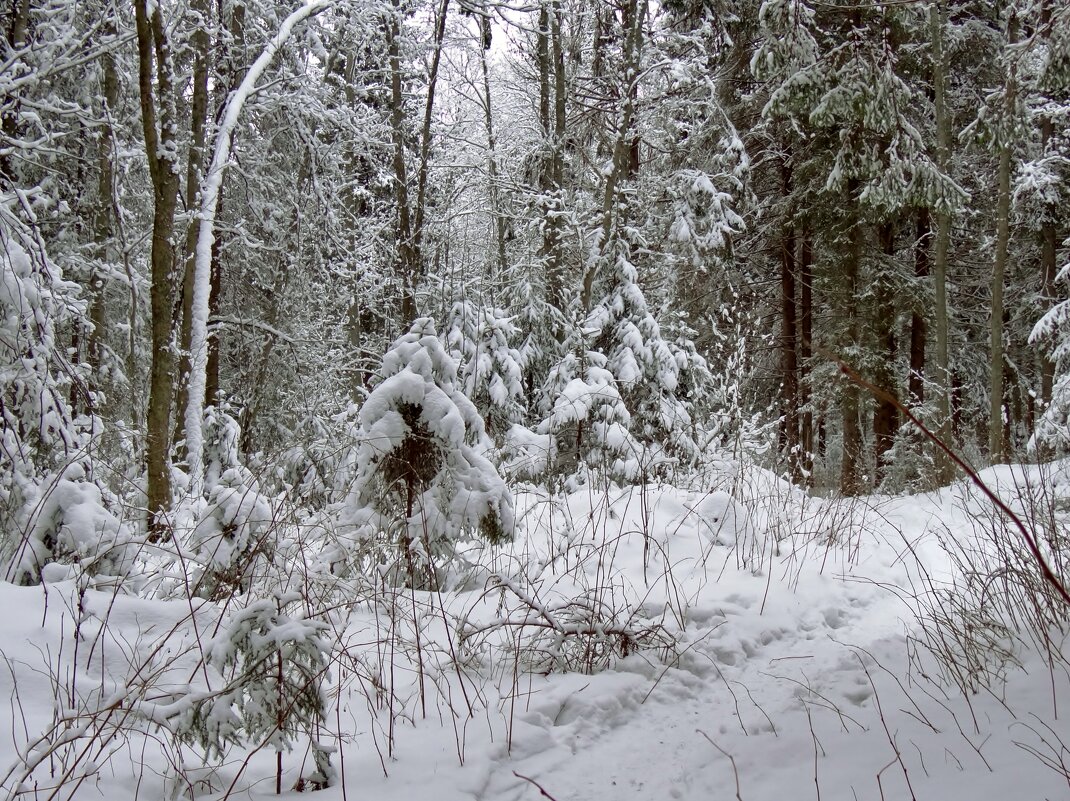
(751, 642)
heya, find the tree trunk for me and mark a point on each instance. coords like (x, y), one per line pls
(17, 22)
(886, 415)
(498, 218)
(160, 145)
(550, 55)
(633, 46)
(997, 443)
(542, 56)
(1048, 269)
(632, 89)
(211, 379)
(558, 48)
(806, 335)
(1048, 238)
(918, 327)
(941, 378)
(407, 257)
(201, 42)
(851, 478)
(789, 367)
(103, 218)
(411, 219)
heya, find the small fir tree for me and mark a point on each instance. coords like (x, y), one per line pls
(421, 478)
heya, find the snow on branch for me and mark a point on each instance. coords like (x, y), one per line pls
(210, 187)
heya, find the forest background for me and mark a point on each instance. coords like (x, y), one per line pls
(681, 221)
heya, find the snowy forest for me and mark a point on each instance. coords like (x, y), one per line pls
(517, 399)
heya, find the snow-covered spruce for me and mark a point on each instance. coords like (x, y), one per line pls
(491, 371)
(275, 663)
(588, 424)
(1053, 428)
(619, 406)
(421, 479)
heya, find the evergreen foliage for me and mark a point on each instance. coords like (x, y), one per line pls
(421, 478)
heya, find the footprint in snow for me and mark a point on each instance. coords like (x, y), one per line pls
(834, 618)
(859, 696)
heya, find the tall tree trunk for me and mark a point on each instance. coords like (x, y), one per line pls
(886, 415)
(103, 218)
(558, 47)
(201, 42)
(160, 149)
(425, 155)
(498, 217)
(851, 478)
(633, 47)
(550, 55)
(411, 220)
(407, 256)
(634, 147)
(1048, 238)
(1048, 270)
(16, 25)
(918, 326)
(542, 56)
(941, 378)
(806, 335)
(997, 443)
(211, 379)
(789, 366)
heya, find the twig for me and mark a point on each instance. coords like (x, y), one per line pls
(888, 733)
(817, 748)
(539, 787)
(732, 759)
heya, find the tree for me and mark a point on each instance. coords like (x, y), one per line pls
(1004, 141)
(159, 119)
(421, 480)
(275, 660)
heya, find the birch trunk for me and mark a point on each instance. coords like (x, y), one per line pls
(210, 190)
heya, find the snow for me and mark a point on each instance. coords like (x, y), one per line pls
(735, 639)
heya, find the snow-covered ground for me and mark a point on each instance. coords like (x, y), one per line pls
(739, 640)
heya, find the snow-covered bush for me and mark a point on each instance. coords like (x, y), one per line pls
(527, 454)
(72, 524)
(233, 526)
(585, 633)
(421, 479)
(231, 537)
